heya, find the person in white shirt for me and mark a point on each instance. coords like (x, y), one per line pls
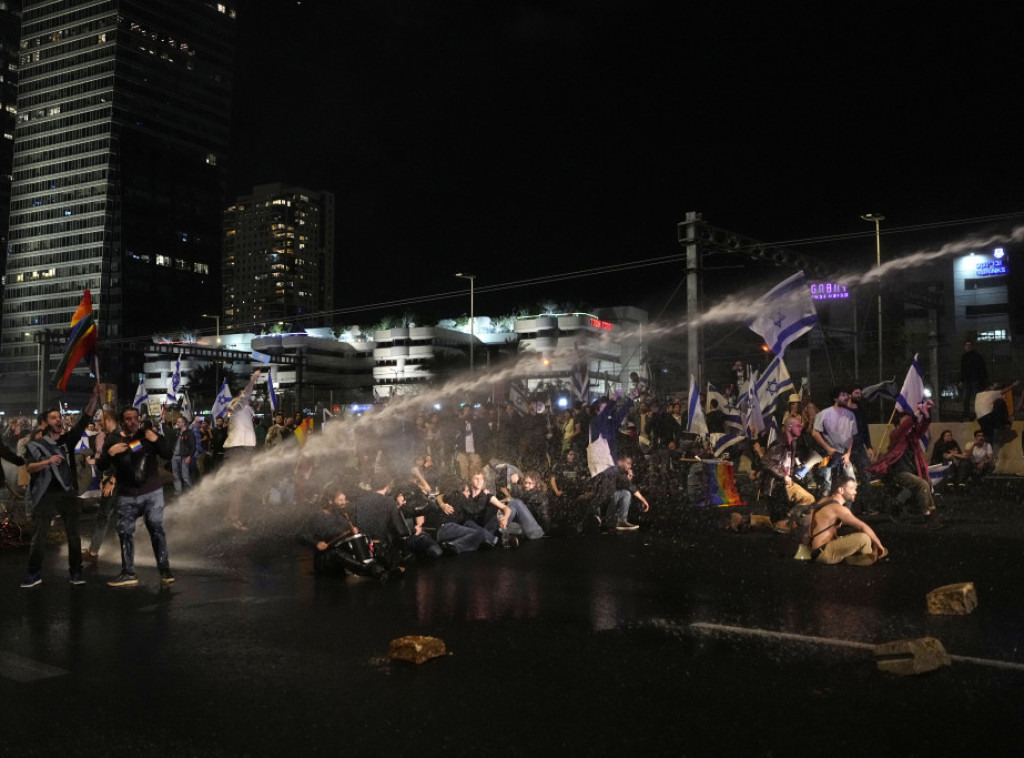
(240, 445)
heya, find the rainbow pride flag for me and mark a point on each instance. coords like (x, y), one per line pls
(81, 342)
(303, 430)
(721, 482)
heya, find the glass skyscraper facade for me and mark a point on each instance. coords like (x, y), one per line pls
(10, 33)
(119, 169)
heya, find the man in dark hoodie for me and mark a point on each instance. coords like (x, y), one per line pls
(133, 453)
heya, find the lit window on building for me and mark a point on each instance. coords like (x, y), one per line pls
(993, 335)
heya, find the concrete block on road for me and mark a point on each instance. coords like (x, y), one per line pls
(915, 656)
(953, 599)
(416, 649)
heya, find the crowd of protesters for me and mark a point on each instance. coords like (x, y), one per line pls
(429, 482)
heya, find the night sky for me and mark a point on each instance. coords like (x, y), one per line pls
(516, 139)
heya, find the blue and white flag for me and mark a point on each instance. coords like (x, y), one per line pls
(581, 382)
(714, 394)
(755, 419)
(722, 442)
(937, 471)
(220, 405)
(912, 393)
(695, 421)
(773, 384)
(175, 378)
(83, 444)
(784, 313)
(271, 393)
(141, 396)
(186, 407)
(733, 415)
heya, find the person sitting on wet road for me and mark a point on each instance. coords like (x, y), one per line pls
(378, 517)
(336, 542)
(530, 490)
(904, 464)
(947, 450)
(415, 541)
(615, 493)
(980, 457)
(778, 465)
(861, 548)
(457, 531)
(501, 520)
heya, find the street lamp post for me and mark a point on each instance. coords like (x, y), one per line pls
(472, 320)
(876, 219)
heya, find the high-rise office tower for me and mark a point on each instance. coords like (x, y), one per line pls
(10, 23)
(278, 257)
(119, 161)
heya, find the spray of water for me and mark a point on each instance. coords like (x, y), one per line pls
(197, 525)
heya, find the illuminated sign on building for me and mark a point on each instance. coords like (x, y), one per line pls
(990, 268)
(598, 324)
(829, 291)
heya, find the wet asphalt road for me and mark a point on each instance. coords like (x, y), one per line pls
(680, 639)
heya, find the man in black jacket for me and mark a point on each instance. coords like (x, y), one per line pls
(133, 454)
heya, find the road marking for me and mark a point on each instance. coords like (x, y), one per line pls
(22, 669)
(703, 626)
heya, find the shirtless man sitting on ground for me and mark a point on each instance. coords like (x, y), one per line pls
(861, 548)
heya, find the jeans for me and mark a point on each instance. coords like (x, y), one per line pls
(151, 507)
(834, 468)
(423, 546)
(618, 508)
(99, 532)
(182, 472)
(52, 503)
(466, 538)
(520, 515)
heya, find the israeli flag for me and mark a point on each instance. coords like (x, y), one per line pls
(773, 384)
(937, 471)
(912, 393)
(733, 417)
(270, 392)
(581, 382)
(755, 419)
(785, 313)
(186, 407)
(722, 442)
(695, 421)
(141, 396)
(220, 405)
(176, 377)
